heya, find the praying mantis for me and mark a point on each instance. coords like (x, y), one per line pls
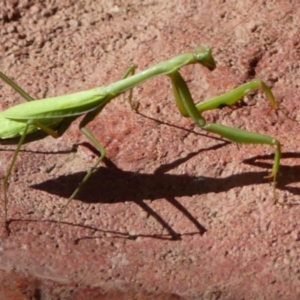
(35, 119)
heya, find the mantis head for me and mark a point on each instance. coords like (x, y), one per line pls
(202, 55)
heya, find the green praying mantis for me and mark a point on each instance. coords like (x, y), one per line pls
(36, 119)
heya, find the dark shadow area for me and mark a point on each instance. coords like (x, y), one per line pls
(120, 186)
(115, 185)
(112, 185)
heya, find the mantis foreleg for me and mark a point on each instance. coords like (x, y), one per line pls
(187, 108)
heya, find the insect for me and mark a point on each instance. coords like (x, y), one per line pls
(36, 119)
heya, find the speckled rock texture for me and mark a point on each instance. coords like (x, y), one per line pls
(173, 212)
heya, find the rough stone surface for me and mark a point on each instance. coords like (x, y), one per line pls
(173, 213)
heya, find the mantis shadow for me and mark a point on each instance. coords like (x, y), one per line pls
(120, 186)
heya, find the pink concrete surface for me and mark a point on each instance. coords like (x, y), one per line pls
(174, 212)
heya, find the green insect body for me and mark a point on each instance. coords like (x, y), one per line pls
(52, 116)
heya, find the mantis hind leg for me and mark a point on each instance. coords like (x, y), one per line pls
(8, 173)
(15, 156)
(43, 132)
